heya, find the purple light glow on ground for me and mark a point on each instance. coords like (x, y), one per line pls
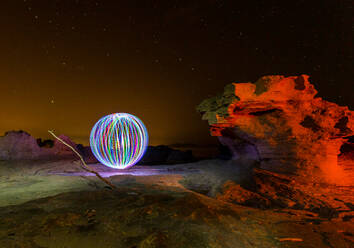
(136, 171)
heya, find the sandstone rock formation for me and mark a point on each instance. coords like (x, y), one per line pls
(272, 190)
(19, 145)
(87, 154)
(278, 123)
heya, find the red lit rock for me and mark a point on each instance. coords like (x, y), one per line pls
(279, 122)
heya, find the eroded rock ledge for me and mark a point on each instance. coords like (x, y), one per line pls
(20, 145)
(278, 123)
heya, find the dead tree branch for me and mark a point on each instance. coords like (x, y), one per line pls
(290, 239)
(84, 166)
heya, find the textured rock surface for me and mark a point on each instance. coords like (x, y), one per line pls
(19, 145)
(87, 154)
(39, 209)
(276, 191)
(279, 122)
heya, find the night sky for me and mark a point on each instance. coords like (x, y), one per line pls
(64, 64)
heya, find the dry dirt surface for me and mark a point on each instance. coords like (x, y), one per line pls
(56, 205)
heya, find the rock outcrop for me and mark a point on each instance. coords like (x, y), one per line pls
(87, 154)
(165, 155)
(280, 124)
(16, 145)
(278, 191)
(19, 145)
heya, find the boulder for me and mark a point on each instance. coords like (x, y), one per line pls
(87, 154)
(165, 155)
(15, 145)
(62, 150)
(19, 145)
(278, 122)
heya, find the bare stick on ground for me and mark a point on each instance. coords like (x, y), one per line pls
(84, 166)
(290, 239)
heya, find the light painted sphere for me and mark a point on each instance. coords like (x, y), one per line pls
(119, 140)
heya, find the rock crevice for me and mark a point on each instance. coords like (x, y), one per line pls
(280, 122)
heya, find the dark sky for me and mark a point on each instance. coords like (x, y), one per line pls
(64, 64)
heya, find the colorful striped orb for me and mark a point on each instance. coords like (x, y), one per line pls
(119, 140)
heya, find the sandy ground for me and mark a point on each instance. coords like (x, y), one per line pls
(56, 204)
